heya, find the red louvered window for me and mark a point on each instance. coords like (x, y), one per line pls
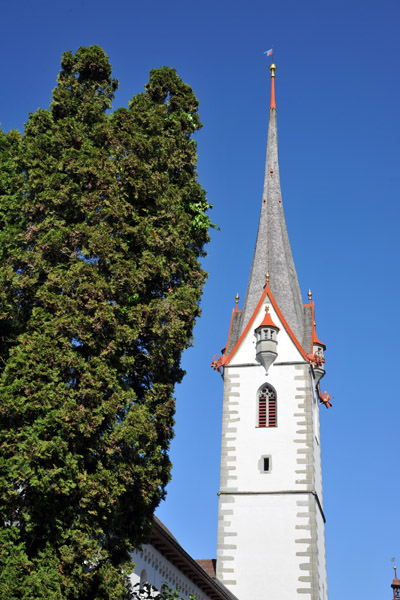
(262, 412)
(267, 408)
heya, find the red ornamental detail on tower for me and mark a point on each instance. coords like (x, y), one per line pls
(218, 362)
(325, 399)
(316, 359)
(396, 585)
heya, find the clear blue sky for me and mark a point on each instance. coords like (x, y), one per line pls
(338, 98)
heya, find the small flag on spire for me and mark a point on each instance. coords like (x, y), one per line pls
(268, 52)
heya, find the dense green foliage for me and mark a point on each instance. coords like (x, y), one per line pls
(102, 225)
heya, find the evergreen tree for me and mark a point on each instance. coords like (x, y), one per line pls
(149, 592)
(103, 226)
(11, 224)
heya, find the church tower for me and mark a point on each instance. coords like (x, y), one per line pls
(396, 585)
(271, 538)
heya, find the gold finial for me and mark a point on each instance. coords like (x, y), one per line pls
(272, 68)
(309, 296)
(315, 324)
(237, 300)
(267, 278)
(267, 308)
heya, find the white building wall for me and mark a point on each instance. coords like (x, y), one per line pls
(322, 574)
(320, 527)
(317, 445)
(159, 570)
(270, 533)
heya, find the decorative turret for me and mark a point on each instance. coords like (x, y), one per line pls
(317, 348)
(266, 342)
(396, 585)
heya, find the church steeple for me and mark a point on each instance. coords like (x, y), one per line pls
(272, 252)
(270, 499)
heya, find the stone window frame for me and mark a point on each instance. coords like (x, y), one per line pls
(261, 464)
(266, 420)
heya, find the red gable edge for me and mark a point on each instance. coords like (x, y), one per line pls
(314, 337)
(267, 292)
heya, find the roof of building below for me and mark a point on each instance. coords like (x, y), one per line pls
(204, 578)
(209, 565)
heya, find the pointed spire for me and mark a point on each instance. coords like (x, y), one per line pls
(272, 252)
(396, 580)
(272, 68)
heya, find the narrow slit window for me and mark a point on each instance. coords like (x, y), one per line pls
(265, 464)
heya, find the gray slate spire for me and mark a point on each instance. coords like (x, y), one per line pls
(272, 252)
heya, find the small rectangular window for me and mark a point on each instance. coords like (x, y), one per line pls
(265, 464)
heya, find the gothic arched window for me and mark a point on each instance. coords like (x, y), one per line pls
(267, 408)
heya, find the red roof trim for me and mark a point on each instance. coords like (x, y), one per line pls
(267, 292)
(267, 321)
(314, 338)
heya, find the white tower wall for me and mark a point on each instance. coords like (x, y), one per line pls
(271, 525)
